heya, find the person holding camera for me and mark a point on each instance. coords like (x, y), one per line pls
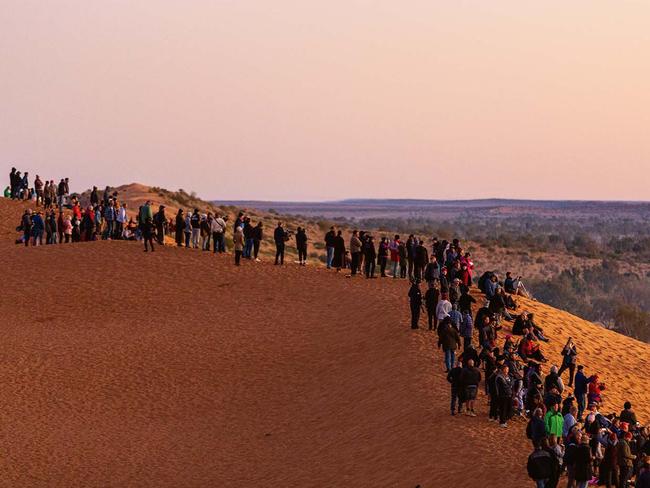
(280, 237)
(569, 355)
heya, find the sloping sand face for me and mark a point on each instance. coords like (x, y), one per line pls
(121, 368)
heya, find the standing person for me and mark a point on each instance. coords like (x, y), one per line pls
(582, 465)
(218, 228)
(410, 254)
(38, 189)
(121, 221)
(206, 233)
(258, 235)
(25, 186)
(431, 297)
(443, 308)
(355, 252)
(94, 197)
(453, 377)
(67, 228)
(542, 465)
(608, 469)
(147, 233)
(466, 328)
(47, 199)
(301, 245)
(329, 246)
(161, 220)
(26, 225)
(382, 256)
(60, 192)
(109, 217)
(13, 183)
(178, 227)
(580, 391)
(421, 259)
(249, 240)
(554, 421)
(449, 340)
(238, 242)
(195, 224)
(369, 256)
(338, 260)
(625, 460)
(503, 383)
(38, 227)
(60, 226)
(415, 301)
(432, 270)
(393, 247)
(569, 354)
(279, 237)
(403, 259)
(52, 194)
(470, 379)
(188, 228)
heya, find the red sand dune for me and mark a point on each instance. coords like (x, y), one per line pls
(121, 368)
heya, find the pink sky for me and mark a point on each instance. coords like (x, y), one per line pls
(302, 100)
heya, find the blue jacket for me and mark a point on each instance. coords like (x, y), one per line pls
(582, 383)
(37, 223)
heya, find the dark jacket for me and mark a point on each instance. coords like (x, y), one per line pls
(542, 465)
(582, 463)
(470, 376)
(454, 376)
(415, 296)
(449, 339)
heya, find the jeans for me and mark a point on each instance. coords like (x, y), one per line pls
(109, 229)
(196, 233)
(330, 256)
(467, 341)
(187, 238)
(450, 358)
(38, 237)
(248, 248)
(395, 265)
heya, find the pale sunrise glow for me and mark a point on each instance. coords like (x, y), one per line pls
(292, 100)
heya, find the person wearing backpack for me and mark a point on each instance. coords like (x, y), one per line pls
(542, 465)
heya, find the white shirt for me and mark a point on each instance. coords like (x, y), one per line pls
(443, 308)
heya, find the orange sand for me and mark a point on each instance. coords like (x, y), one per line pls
(121, 368)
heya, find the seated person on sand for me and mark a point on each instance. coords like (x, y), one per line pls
(528, 349)
(497, 304)
(515, 286)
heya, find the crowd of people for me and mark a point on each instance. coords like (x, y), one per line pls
(565, 423)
